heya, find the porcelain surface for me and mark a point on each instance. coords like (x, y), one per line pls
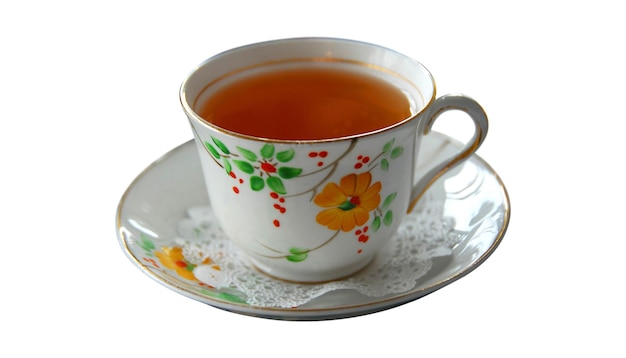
(168, 230)
(309, 207)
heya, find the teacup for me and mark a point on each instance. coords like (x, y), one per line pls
(314, 209)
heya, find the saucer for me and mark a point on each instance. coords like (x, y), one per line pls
(167, 229)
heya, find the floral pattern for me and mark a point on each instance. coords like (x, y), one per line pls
(207, 273)
(173, 258)
(351, 204)
(348, 203)
(181, 261)
(264, 168)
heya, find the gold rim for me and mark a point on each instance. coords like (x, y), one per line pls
(319, 313)
(188, 104)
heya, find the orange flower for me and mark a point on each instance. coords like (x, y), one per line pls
(348, 203)
(208, 271)
(172, 258)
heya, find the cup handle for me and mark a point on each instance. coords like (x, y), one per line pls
(441, 105)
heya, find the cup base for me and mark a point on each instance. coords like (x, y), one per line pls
(314, 277)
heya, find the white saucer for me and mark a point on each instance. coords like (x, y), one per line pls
(471, 200)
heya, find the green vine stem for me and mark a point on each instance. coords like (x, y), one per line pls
(334, 165)
(301, 251)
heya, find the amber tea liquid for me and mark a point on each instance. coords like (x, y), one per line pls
(306, 103)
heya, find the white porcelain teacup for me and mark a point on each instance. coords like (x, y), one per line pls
(313, 210)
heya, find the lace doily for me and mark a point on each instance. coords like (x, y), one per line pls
(423, 235)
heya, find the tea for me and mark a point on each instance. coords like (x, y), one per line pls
(306, 103)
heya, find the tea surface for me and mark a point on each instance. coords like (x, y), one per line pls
(306, 103)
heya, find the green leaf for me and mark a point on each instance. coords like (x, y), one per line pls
(267, 151)
(388, 145)
(388, 219)
(298, 250)
(224, 296)
(244, 166)
(384, 164)
(388, 200)
(376, 223)
(346, 205)
(256, 183)
(220, 145)
(227, 166)
(146, 243)
(276, 185)
(211, 150)
(396, 152)
(298, 254)
(288, 172)
(247, 154)
(297, 258)
(230, 297)
(285, 155)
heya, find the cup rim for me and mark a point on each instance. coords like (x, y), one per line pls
(191, 113)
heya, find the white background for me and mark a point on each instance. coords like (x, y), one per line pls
(89, 98)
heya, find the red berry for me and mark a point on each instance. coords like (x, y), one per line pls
(268, 167)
